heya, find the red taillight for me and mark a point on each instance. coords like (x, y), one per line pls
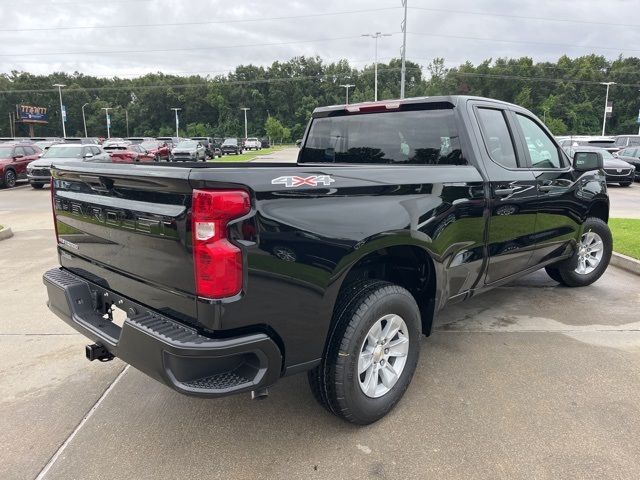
(217, 262)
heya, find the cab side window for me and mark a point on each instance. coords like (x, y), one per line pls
(497, 137)
(543, 152)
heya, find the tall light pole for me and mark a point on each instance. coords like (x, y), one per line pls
(106, 114)
(177, 121)
(62, 111)
(376, 36)
(245, 120)
(84, 120)
(347, 87)
(126, 119)
(606, 103)
(403, 69)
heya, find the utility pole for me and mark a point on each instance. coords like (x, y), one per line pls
(376, 36)
(347, 87)
(63, 114)
(403, 68)
(106, 113)
(84, 120)
(177, 121)
(245, 121)
(11, 134)
(126, 119)
(606, 103)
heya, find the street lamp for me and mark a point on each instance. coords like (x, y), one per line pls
(176, 110)
(62, 112)
(606, 103)
(245, 120)
(84, 120)
(347, 87)
(106, 114)
(403, 68)
(376, 36)
(126, 119)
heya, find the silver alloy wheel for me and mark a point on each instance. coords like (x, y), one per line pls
(10, 179)
(383, 355)
(590, 251)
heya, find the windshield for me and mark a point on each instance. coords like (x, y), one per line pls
(427, 137)
(150, 145)
(230, 141)
(63, 152)
(187, 144)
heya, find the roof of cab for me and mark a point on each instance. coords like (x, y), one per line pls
(453, 100)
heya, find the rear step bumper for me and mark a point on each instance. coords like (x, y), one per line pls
(164, 349)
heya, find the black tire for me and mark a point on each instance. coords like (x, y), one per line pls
(10, 178)
(554, 274)
(156, 158)
(567, 269)
(37, 186)
(335, 382)
(625, 184)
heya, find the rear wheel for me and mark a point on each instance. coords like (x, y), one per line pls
(37, 186)
(591, 257)
(9, 178)
(371, 353)
(625, 184)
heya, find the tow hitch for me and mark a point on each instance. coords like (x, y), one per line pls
(97, 352)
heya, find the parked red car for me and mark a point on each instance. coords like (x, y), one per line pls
(159, 149)
(14, 158)
(128, 153)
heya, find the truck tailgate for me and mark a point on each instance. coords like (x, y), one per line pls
(128, 226)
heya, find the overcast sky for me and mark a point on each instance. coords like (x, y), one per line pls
(242, 32)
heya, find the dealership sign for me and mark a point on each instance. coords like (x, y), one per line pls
(31, 114)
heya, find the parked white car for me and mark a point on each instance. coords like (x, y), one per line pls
(252, 143)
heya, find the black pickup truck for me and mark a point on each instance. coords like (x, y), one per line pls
(233, 275)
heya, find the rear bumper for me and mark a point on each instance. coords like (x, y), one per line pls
(166, 350)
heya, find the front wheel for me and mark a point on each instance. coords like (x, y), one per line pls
(37, 186)
(371, 353)
(625, 184)
(591, 257)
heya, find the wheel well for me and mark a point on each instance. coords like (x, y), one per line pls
(407, 266)
(599, 210)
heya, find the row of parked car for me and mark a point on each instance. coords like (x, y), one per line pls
(621, 155)
(31, 158)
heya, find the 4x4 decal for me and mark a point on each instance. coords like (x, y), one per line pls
(311, 181)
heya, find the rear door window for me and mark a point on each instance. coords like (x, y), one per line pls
(415, 137)
(497, 137)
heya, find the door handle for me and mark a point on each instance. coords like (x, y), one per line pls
(503, 192)
(545, 188)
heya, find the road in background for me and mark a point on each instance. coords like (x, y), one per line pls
(625, 201)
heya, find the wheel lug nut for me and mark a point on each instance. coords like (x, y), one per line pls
(381, 362)
(386, 351)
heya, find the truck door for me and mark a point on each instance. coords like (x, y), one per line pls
(512, 193)
(558, 212)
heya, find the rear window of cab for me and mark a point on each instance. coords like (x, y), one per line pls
(414, 137)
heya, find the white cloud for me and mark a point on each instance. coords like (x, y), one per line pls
(210, 43)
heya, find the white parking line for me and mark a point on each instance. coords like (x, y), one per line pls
(89, 414)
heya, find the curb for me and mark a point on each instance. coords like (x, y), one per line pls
(5, 233)
(624, 262)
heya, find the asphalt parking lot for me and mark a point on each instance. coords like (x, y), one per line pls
(531, 380)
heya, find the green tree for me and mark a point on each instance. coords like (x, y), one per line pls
(274, 129)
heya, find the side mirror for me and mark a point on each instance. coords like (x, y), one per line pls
(587, 161)
(88, 155)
